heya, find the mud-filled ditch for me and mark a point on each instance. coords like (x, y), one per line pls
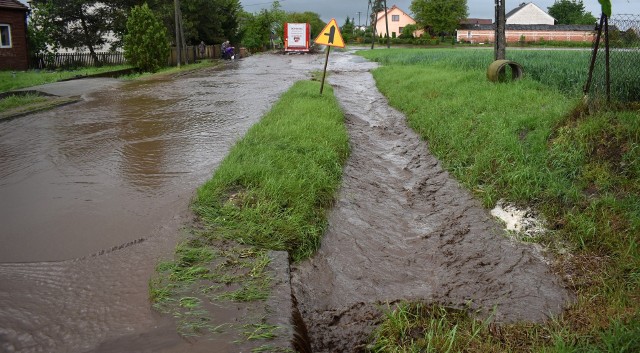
(94, 194)
(403, 229)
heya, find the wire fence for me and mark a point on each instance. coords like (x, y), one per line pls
(615, 73)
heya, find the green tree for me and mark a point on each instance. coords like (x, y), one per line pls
(146, 45)
(376, 7)
(41, 36)
(347, 30)
(211, 21)
(439, 16)
(257, 29)
(568, 12)
(77, 24)
(407, 31)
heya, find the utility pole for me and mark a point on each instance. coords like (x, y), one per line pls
(176, 4)
(500, 38)
(386, 21)
(358, 18)
(374, 15)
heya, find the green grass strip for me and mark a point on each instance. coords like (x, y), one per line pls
(11, 80)
(527, 142)
(565, 70)
(275, 186)
(12, 102)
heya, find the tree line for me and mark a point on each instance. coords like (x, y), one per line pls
(103, 25)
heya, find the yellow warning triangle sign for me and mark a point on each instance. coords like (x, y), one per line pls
(330, 35)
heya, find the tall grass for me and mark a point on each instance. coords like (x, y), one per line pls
(565, 70)
(275, 186)
(530, 143)
(18, 101)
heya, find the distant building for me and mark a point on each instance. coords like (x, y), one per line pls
(526, 22)
(529, 14)
(530, 33)
(397, 19)
(476, 21)
(13, 35)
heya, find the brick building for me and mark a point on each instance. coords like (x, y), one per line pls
(528, 33)
(13, 35)
(527, 22)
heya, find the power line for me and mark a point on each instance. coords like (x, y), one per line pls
(263, 3)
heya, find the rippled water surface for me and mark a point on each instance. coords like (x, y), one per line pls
(118, 168)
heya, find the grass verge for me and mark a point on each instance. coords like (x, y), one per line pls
(13, 102)
(12, 80)
(271, 192)
(275, 186)
(530, 144)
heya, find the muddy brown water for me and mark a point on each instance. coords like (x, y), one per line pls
(116, 172)
(404, 229)
(93, 195)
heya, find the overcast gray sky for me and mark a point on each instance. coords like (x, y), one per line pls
(340, 9)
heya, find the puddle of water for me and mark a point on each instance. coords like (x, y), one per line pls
(115, 169)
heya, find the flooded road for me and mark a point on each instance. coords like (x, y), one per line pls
(93, 194)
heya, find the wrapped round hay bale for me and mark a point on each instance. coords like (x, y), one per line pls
(497, 71)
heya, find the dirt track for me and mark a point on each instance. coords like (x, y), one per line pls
(404, 229)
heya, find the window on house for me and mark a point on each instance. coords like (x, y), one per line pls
(400, 29)
(395, 18)
(5, 36)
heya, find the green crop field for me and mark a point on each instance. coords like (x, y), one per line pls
(566, 70)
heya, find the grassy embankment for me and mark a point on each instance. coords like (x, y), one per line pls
(271, 192)
(529, 142)
(10, 80)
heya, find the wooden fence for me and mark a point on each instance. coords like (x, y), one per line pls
(74, 60)
(192, 53)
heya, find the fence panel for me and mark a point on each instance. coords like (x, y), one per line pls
(624, 59)
(75, 60)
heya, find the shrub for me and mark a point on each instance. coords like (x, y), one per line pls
(145, 44)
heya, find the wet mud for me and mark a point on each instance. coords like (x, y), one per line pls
(404, 229)
(93, 195)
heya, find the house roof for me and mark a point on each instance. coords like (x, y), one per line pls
(478, 21)
(523, 5)
(13, 4)
(491, 27)
(394, 7)
(512, 12)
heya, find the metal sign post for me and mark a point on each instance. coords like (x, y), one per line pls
(331, 37)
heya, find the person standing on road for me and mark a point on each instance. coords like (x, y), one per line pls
(202, 49)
